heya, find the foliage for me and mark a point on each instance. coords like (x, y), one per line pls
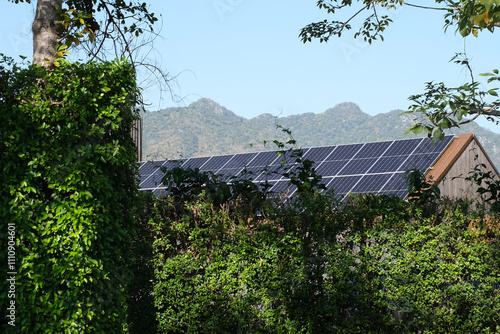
(80, 22)
(68, 185)
(185, 185)
(444, 107)
(141, 313)
(233, 276)
(467, 16)
(443, 274)
(421, 192)
(315, 265)
(441, 107)
(489, 185)
(371, 264)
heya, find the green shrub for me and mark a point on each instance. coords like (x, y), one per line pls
(312, 265)
(68, 185)
(141, 313)
(444, 274)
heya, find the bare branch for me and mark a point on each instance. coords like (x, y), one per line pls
(427, 7)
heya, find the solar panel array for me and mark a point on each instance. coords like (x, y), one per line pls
(376, 167)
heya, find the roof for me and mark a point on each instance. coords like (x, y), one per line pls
(376, 167)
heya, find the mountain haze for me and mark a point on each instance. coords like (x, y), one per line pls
(205, 128)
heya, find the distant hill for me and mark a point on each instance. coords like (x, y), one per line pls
(205, 128)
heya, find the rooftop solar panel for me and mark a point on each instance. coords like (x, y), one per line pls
(194, 162)
(250, 173)
(263, 159)
(331, 168)
(240, 160)
(388, 164)
(150, 174)
(318, 153)
(418, 161)
(402, 147)
(357, 166)
(217, 162)
(397, 182)
(376, 167)
(148, 167)
(152, 181)
(229, 172)
(272, 174)
(344, 152)
(426, 146)
(371, 183)
(344, 184)
(373, 150)
(283, 187)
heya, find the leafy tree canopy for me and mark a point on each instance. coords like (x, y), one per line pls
(442, 107)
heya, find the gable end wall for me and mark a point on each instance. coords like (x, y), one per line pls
(453, 184)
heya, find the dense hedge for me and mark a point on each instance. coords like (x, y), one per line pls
(373, 264)
(67, 185)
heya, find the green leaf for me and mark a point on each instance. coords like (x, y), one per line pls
(438, 134)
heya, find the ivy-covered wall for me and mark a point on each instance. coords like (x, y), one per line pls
(67, 189)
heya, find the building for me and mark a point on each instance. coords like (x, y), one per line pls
(376, 168)
(460, 158)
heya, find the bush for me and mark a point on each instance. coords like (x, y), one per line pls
(312, 265)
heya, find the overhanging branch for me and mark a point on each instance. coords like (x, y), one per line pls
(490, 111)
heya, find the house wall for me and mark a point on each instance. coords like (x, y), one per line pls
(454, 184)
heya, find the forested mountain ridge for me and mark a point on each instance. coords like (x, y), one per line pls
(205, 128)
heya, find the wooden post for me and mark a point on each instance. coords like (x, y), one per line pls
(137, 137)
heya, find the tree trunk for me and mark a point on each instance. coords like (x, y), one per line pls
(46, 32)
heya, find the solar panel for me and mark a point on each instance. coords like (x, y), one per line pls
(396, 183)
(263, 159)
(240, 160)
(194, 162)
(331, 168)
(376, 167)
(151, 174)
(402, 147)
(250, 173)
(217, 162)
(227, 173)
(373, 150)
(357, 166)
(343, 185)
(318, 153)
(418, 161)
(344, 152)
(283, 187)
(371, 183)
(388, 164)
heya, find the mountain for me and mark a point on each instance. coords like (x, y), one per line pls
(206, 128)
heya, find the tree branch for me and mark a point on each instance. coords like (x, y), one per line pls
(426, 7)
(490, 111)
(356, 14)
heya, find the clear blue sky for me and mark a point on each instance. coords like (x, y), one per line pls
(246, 56)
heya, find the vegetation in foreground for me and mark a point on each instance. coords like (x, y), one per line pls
(227, 258)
